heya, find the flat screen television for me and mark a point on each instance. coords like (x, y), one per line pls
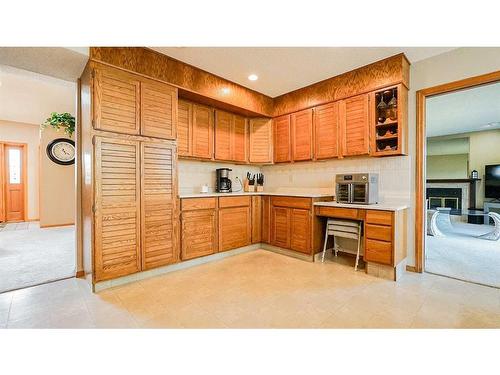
(492, 181)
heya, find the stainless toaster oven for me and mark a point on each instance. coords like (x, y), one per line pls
(359, 188)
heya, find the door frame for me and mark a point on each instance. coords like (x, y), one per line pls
(420, 182)
(3, 179)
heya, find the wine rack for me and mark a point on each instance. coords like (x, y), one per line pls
(389, 107)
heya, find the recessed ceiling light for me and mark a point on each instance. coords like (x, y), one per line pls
(253, 77)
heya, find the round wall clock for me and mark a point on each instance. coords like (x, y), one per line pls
(61, 151)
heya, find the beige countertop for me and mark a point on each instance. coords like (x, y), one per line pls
(281, 193)
(385, 206)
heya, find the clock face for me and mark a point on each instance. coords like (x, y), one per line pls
(62, 151)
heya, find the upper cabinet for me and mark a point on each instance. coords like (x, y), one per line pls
(326, 131)
(282, 149)
(230, 137)
(302, 130)
(261, 141)
(388, 121)
(158, 110)
(116, 101)
(195, 130)
(128, 103)
(354, 122)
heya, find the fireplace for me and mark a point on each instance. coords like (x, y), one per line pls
(449, 197)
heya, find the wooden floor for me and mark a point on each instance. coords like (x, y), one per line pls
(259, 289)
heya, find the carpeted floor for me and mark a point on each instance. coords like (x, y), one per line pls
(31, 256)
(462, 256)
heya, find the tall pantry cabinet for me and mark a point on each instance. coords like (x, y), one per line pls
(128, 127)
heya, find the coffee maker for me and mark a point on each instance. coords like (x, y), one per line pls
(223, 183)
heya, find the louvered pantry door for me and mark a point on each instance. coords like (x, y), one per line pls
(159, 245)
(116, 101)
(158, 110)
(117, 208)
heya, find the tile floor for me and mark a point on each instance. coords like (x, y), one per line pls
(259, 289)
(30, 255)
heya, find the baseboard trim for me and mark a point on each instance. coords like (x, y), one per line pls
(102, 285)
(290, 253)
(56, 225)
(80, 274)
(411, 268)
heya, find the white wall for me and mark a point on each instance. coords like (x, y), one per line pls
(450, 66)
(29, 98)
(29, 134)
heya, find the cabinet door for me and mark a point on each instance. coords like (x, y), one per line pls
(302, 123)
(223, 130)
(117, 208)
(203, 132)
(256, 219)
(280, 227)
(261, 141)
(355, 125)
(198, 236)
(266, 219)
(158, 110)
(300, 224)
(184, 128)
(326, 131)
(234, 227)
(282, 139)
(158, 205)
(239, 138)
(116, 101)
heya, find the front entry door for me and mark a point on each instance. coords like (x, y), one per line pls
(14, 182)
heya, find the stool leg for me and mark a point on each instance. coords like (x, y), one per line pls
(359, 245)
(324, 247)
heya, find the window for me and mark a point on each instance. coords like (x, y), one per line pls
(14, 166)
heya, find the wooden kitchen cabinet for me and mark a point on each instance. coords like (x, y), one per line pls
(354, 122)
(256, 219)
(230, 137)
(300, 230)
(158, 110)
(260, 141)
(282, 139)
(158, 205)
(266, 219)
(130, 104)
(326, 131)
(195, 130)
(302, 139)
(198, 227)
(116, 100)
(117, 228)
(234, 222)
(280, 227)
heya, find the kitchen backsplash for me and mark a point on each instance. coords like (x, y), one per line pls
(394, 175)
(318, 176)
(193, 174)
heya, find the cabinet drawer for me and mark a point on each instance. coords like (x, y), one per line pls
(188, 204)
(239, 201)
(378, 251)
(378, 232)
(379, 217)
(292, 202)
(339, 212)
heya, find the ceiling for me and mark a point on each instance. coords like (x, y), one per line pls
(464, 111)
(284, 69)
(63, 63)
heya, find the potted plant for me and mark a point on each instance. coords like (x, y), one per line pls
(59, 121)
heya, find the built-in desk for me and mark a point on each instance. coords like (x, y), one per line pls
(385, 233)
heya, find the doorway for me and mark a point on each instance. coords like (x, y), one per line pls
(462, 214)
(13, 182)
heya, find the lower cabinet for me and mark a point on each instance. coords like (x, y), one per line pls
(198, 227)
(291, 223)
(379, 237)
(235, 229)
